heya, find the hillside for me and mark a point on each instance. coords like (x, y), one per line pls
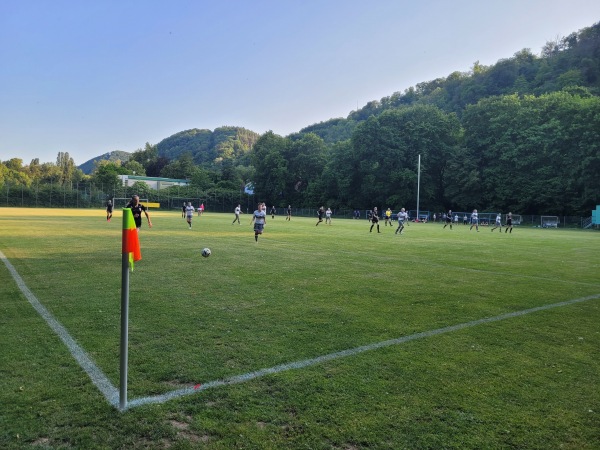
(117, 155)
(572, 62)
(208, 147)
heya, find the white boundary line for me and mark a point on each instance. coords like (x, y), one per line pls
(345, 353)
(111, 393)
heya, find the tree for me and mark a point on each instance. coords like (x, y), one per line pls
(134, 168)
(535, 155)
(13, 177)
(14, 164)
(306, 159)
(182, 168)
(271, 167)
(66, 166)
(385, 155)
(107, 173)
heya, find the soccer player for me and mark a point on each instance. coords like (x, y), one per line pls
(388, 217)
(328, 216)
(320, 214)
(498, 222)
(237, 212)
(401, 218)
(374, 220)
(136, 209)
(183, 210)
(109, 210)
(259, 218)
(289, 213)
(189, 213)
(448, 219)
(508, 222)
(273, 210)
(474, 220)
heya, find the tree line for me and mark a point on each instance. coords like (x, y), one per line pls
(531, 154)
(528, 154)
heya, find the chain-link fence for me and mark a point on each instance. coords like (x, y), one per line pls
(89, 195)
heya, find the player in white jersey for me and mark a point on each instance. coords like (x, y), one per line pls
(401, 216)
(259, 218)
(474, 220)
(189, 213)
(328, 216)
(237, 212)
(498, 223)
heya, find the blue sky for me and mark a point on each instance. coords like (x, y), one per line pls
(89, 77)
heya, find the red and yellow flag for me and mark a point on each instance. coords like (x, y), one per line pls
(131, 241)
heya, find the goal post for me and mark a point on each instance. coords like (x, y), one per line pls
(550, 221)
(121, 202)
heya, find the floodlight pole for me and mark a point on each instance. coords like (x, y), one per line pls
(418, 185)
(124, 330)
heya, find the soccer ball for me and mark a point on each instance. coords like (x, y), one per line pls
(206, 252)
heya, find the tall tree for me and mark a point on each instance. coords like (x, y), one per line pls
(535, 155)
(306, 159)
(271, 167)
(66, 166)
(386, 150)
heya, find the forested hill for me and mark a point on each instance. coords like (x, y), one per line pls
(117, 155)
(208, 147)
(572, 62)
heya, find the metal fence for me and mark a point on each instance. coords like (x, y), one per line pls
(88, 195)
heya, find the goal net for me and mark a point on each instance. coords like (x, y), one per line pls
(550, 221)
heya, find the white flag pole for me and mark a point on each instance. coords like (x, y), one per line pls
(418, 186)
(124, 326)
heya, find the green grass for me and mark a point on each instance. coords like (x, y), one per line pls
(301, 292)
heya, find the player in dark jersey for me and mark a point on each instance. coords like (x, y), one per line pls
(136, 209)
(508, 222)
(320, 212)
(375, 220)
(109, 210)
(448, 219)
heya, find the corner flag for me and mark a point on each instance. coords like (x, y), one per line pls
(130, 252)
(131, 241)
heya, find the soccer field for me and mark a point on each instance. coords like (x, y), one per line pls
(314, 337)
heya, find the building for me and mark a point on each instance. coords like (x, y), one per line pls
(156, 183)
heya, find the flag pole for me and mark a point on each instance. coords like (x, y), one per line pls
(418, 186)
(124, 330)
(130, 253)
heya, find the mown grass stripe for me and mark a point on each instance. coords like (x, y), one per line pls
(345, 353)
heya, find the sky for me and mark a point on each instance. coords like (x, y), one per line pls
(90, 77)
